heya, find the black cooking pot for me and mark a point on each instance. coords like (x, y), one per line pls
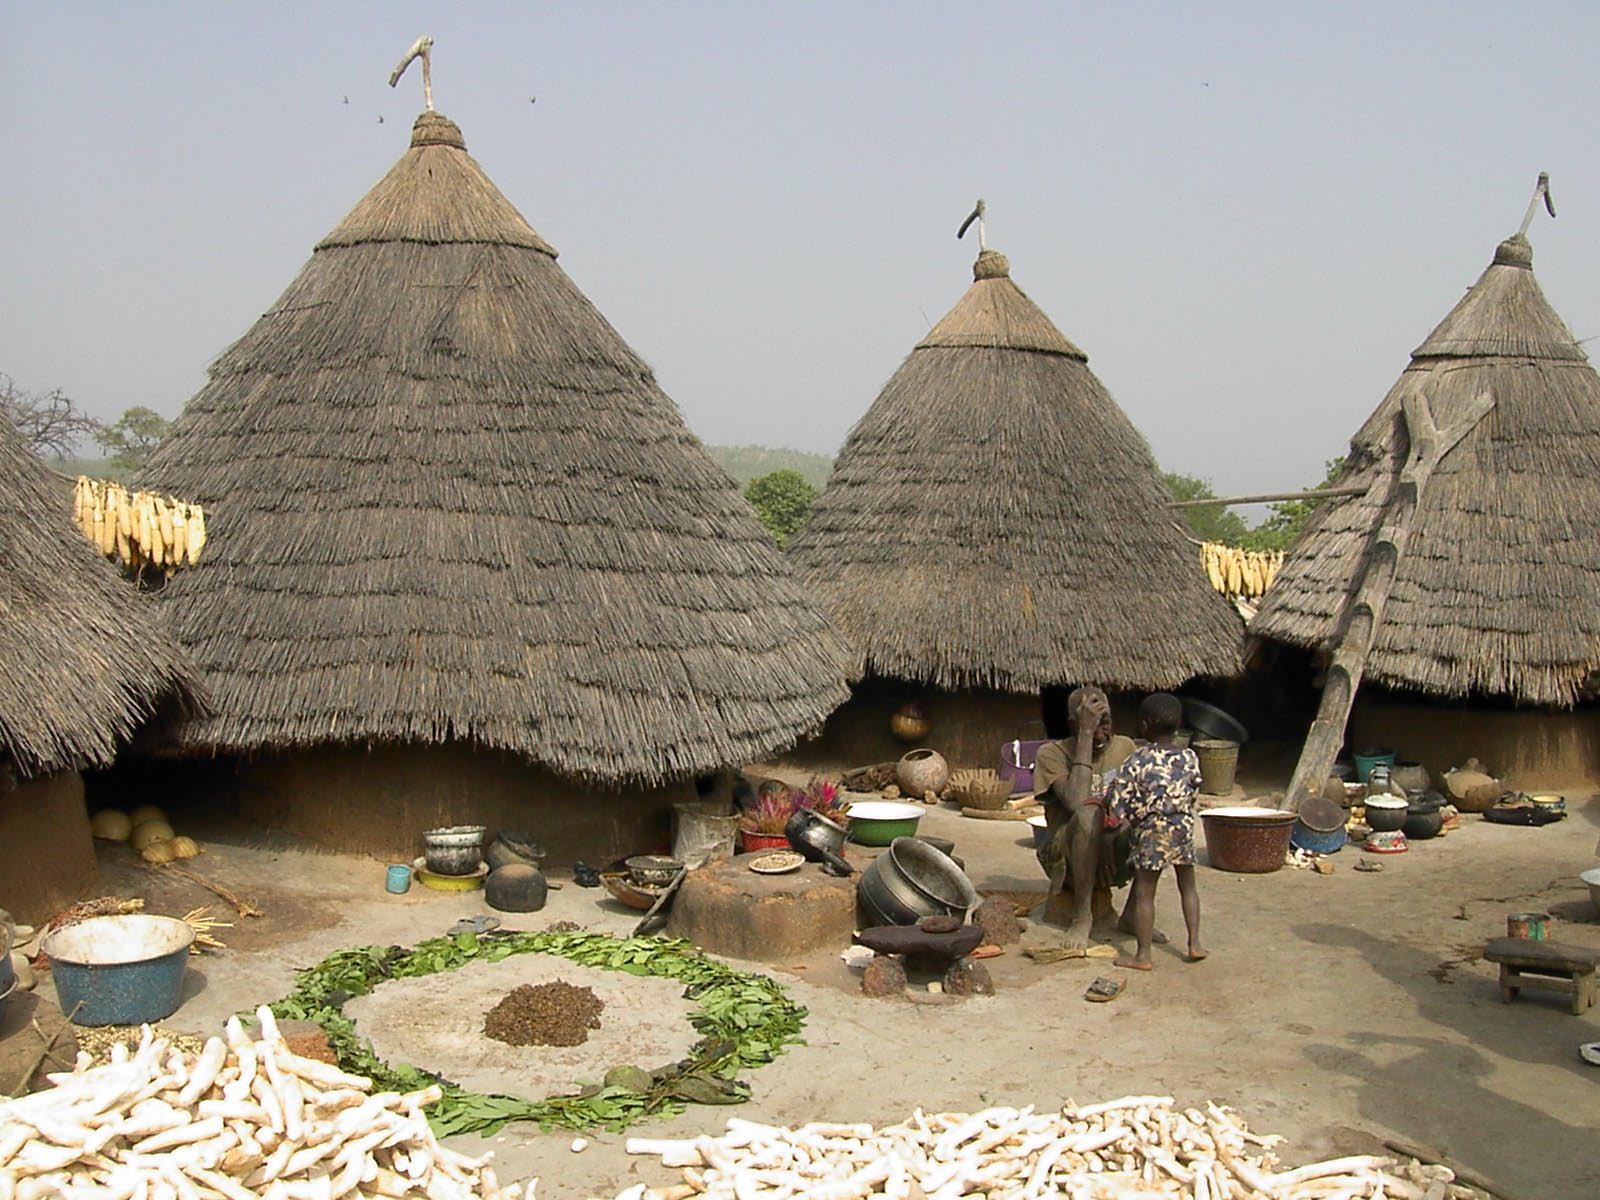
(818, 838)
(1423, 820)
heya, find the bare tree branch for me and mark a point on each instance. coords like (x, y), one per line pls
(48, 421)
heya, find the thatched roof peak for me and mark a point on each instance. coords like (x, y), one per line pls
(1515, 251)
(1498, 593)
(436, 194)
(995, 521)
(447, 503)
(1504, 314)
(991, 264)
(997, 314)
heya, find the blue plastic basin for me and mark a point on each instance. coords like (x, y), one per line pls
(124, 970)
(1314, 840)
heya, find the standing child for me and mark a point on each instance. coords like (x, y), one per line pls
(1155, 796)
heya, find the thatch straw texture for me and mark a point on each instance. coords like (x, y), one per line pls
(1498, 592)
(994, 520)
(448, 503)
(86, 662)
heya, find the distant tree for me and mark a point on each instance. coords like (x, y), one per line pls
(783, 501)
(1283, 524)
(746, 463)
(48, 421)
(1210, 523)
(129, 441)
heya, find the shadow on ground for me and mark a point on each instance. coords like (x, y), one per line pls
(1449, 1089)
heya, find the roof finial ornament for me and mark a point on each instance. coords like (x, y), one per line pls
(976, 215)
(1541, 191)
(419, 49)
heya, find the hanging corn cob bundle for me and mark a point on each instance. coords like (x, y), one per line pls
(139, 528)
(1236, 572)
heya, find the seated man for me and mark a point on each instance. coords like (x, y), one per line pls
(1069, 779)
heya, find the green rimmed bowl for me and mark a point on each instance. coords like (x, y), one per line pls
(879, 822)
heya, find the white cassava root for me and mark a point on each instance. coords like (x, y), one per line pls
(245, 1119)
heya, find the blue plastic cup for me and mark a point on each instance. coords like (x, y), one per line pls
(398, 878)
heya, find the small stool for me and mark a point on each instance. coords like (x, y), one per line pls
(1550, 965)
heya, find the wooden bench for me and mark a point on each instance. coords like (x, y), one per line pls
(1550, 965)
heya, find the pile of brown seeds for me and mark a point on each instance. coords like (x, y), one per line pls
(550, 1014)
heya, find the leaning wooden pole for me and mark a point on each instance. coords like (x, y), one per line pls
(1363, 610)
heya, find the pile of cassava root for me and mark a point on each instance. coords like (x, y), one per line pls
(1139, 1146)
(244, 1119)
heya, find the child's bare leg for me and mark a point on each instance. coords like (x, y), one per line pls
(1189, 897)
(1127, 923)
(1144, 918)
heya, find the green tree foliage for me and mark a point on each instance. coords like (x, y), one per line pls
(783, 500)
(129, 441)
(1288, 517)
(1211, 523)
(746, 463)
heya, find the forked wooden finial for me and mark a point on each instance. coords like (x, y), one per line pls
(1541, 191)
(419, 49)
(976, 215)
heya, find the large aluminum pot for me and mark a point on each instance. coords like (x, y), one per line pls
(914, 880)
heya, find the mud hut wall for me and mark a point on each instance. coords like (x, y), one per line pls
(968, 727)
(381, 801)
(1530, 749)
(50, 863)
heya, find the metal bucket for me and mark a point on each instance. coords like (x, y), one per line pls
(124, 970)
(1219, 760)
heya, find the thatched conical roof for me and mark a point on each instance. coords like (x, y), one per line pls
(447, 502)
(86, 662)
(994, 520)
(1498, 591)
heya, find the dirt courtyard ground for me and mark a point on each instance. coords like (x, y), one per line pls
(1334, 1010)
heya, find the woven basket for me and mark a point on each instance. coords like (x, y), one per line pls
(981, 789)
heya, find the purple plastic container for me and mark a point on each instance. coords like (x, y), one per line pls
(1016, 763)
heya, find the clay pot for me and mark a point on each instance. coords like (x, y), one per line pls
(921, 771)
(1386, 814)
(1411, 776)
(1472, 791)
(1423, 820)
(908, 724)
(509, 848)
(516, 887)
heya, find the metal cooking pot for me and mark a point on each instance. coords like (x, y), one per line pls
(887, 897)
(931, 872)
(818, 838)
(912, 881)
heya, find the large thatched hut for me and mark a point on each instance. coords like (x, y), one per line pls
(995, 524)
(1490, 641)
(86, 666)
(466, 562)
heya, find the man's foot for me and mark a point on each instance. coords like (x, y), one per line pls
(1077, 936)
(1136, 964)
(1196, 954)
(1157, 938)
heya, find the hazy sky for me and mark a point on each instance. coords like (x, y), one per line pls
(1246, 215)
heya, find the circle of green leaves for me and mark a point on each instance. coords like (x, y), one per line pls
(745, 1019)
